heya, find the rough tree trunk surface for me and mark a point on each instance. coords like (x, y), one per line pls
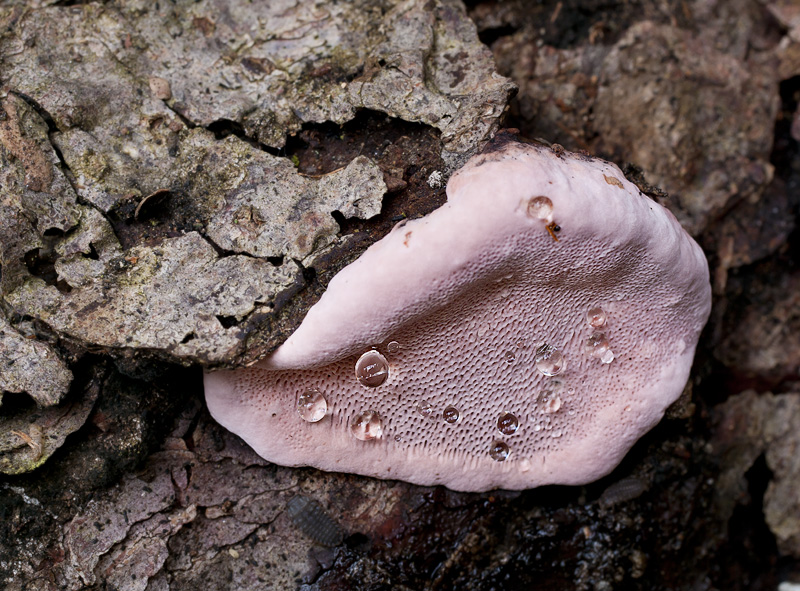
(180, 180)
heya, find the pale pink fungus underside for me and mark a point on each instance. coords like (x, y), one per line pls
(470, 292)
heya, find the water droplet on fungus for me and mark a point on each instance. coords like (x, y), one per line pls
(551, 403)
(540, 208)
(499, 451)
(596, 345)
(312, 406)
(425, 408)
(372, 369)
(451, 414)
(507, 423)
(549, 360)
(367, 426)
(596, 317)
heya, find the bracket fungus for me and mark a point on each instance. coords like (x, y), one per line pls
(527, 332)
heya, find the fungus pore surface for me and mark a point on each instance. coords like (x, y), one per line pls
(528, 332)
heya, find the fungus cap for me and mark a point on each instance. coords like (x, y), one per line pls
(527, 332)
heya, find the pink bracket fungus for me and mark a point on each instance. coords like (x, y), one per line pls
(527, 332)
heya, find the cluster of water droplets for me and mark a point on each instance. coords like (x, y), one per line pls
(507, 425)
(548, 360)
(597, 345)
(372, 370)
(450, 414)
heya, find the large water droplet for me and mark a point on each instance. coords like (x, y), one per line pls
(540, 208)
(372, 369)
(507, 423)
(549, 360)
(392, 347)
(499, 451)
(312, 406)
(367, 426)
(425, 408)
(596, 317)
(450, 414)
(596, 345)
(551, 403)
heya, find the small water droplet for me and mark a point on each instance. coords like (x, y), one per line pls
(525, 465)
(367, 426)
(507, 423)
(451, 414)
(537, 428)
(597, 346)
(425, 408)
(596, 317)
(549, 360)
(312, 406)
(499, 451)
(372, 369)
(628, 408)
(510, 356)
(540, 208)
(392, 347)
(398, 438)
(556, 434)
(551, 404)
